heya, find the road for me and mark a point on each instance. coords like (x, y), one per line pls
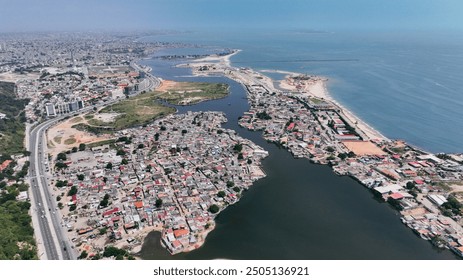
(51, 231)
(54, 240)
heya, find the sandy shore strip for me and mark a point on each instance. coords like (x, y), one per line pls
(221, 59)
(317, 87)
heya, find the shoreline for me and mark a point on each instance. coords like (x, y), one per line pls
(382, 165)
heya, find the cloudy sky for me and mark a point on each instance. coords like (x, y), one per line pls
(50, 15)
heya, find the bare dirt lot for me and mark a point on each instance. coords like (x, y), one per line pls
(363, 148)
(63, 137)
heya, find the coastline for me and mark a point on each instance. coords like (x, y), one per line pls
(388, 166)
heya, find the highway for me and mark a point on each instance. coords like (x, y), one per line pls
(54, 241)
(44, 206)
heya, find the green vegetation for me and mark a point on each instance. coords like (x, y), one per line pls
(80, 177)
(119, 254)
(72, 191)
(83, 255)
(452, 206)
(101, 143)
(135, 111)
(236, 189)
(230, 184)
(60, 184)
(317, 101)
(221, 194)
(12, 127)
(105, 202)
(103, 231)
(185, 93)
(214, 208)
(263, 115)
(16, 232)
(158, 203)
(146, 107)
(82, 147)
(61, 165)
(61, 156)
(238, 147)
(69, 141)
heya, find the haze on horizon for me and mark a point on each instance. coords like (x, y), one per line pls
(118, 15)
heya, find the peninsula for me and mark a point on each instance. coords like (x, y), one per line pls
(299, 114)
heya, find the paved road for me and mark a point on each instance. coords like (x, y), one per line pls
(54, 239)
(47, 217)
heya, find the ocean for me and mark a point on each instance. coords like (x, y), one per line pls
(406, 85)
(303, 210)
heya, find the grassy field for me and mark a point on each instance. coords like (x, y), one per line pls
(69, 141)
(146, 107)
(101, 143)
(138, 110)
(187, 93)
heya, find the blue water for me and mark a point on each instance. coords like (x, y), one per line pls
(300, 210)
(408, 86)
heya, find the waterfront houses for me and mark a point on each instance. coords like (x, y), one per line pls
(174, 175)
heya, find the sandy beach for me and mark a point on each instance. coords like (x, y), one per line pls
(314, 86)
(317, 87)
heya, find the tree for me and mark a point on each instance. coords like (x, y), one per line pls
(214, 208)
(237, 189)
(60, 184)
(109, 165)
(240, 156)
(103, 231)
(111, 251)
(141, 146)
(72, 207)
(61, 165)
(104, 203)
(249, 161)
(158, 203)
(58, 198)
(60, 205)
(221, 194)
(82, 147)
(342, 156)
(184, 131)
(72, 191)
(230, 184)
(124, 161)
(61, 156)
(80, 177)
(330, 149)
(83, 255)
(120, 152)
(410, 185)
(74, 149)
(238, 147)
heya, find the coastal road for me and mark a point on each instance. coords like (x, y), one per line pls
(149, 83)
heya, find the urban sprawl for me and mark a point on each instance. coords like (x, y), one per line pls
(94, 192)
